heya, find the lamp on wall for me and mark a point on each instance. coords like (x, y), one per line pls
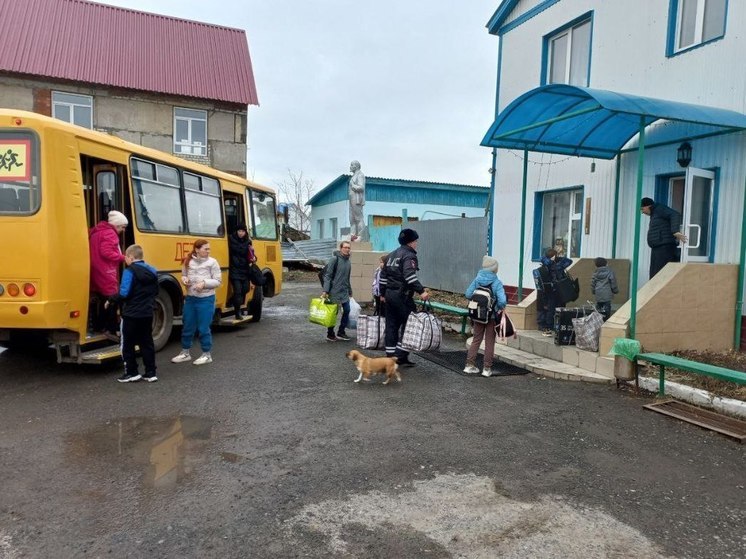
(684, 154)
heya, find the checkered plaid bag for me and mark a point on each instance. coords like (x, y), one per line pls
(371, 331)
(423, 332)
(588, 331)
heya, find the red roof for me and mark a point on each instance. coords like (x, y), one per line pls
(105, 45)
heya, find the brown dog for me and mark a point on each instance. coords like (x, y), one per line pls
(369, 366)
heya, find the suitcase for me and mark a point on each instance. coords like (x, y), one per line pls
(564, 333)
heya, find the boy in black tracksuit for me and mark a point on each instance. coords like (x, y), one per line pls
(137, 294)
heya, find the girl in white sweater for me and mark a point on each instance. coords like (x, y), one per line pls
(201, 276)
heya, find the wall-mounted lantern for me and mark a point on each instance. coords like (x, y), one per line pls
(684, 154)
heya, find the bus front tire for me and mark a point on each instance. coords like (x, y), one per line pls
(255, 305)
(163, 319)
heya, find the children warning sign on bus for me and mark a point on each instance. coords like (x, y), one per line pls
(14, 160)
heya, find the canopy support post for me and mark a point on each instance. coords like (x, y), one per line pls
(616, 204)
(636, 238)
(523, 225)
(739, 287)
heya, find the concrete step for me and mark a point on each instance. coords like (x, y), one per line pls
(533, 342)
(545, 366)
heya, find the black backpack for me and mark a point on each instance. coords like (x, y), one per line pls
(323, 270)
(481, 304)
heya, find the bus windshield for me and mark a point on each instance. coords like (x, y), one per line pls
(19, 173)
(264, 215)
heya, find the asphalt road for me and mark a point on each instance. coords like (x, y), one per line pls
(272, 451)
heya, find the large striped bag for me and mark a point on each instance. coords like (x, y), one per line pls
(423, 332)
(371, 331)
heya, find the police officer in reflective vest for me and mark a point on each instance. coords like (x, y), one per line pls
(398, 285)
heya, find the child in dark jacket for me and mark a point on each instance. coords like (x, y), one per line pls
(551, 270)
(137, 294)
(603, 286)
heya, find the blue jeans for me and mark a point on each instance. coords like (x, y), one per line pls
(198, 313)
(342, 323)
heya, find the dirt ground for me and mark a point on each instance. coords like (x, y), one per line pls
(735, 360)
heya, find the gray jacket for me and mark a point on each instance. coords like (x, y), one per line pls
(338, 287)
(603, 284)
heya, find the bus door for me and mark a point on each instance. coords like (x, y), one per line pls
(234, 211)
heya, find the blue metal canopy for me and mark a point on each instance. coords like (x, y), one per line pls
(597, 123)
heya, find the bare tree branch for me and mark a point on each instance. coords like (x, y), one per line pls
(295, 191)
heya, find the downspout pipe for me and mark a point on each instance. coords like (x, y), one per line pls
(636, 238)
(523, 225)
(741, 273)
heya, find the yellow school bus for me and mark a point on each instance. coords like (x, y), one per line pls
(58, 180)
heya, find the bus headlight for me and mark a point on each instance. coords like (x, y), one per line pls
(2, 289)
(29, 290)
(13, 290)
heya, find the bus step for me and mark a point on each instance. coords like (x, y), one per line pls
(233, 321)
(98, 356)
(73, 354)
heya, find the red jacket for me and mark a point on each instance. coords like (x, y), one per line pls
(106, 256)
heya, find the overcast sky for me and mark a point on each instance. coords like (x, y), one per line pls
(407, 87)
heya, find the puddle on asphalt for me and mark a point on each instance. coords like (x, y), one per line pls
(165, 450)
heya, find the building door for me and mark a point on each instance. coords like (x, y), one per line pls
(693, 197)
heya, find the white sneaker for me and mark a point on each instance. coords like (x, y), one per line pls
(203, 359)
(182, 357)
(471, 370)
(487, 373)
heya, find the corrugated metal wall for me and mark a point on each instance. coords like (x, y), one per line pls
(450, 251)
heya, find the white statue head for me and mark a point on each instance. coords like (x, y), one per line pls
(355, 166)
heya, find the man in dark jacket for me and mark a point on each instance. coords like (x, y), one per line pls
(239, 267)
(137, 294)
(663, 234)
(398, 284)
(336, 287)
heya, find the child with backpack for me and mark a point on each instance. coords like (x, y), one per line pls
(603, 286)
(487, 296)
(137, 294)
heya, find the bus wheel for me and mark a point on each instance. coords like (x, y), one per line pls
(163, 319)
(255, 305)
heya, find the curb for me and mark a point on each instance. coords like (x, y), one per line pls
(697, 396)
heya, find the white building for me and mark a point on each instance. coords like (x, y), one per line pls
(581, 179)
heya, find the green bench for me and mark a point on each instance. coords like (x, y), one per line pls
(663, 361)
(460, 311)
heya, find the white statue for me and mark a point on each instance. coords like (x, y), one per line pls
(357, 201)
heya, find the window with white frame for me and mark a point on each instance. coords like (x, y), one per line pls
(698, 21)
(190, 131)
(320, 224)
(568, 54)
(560, 219)
(73, 108)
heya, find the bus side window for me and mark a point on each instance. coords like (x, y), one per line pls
(24, 200)
(8, 200)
